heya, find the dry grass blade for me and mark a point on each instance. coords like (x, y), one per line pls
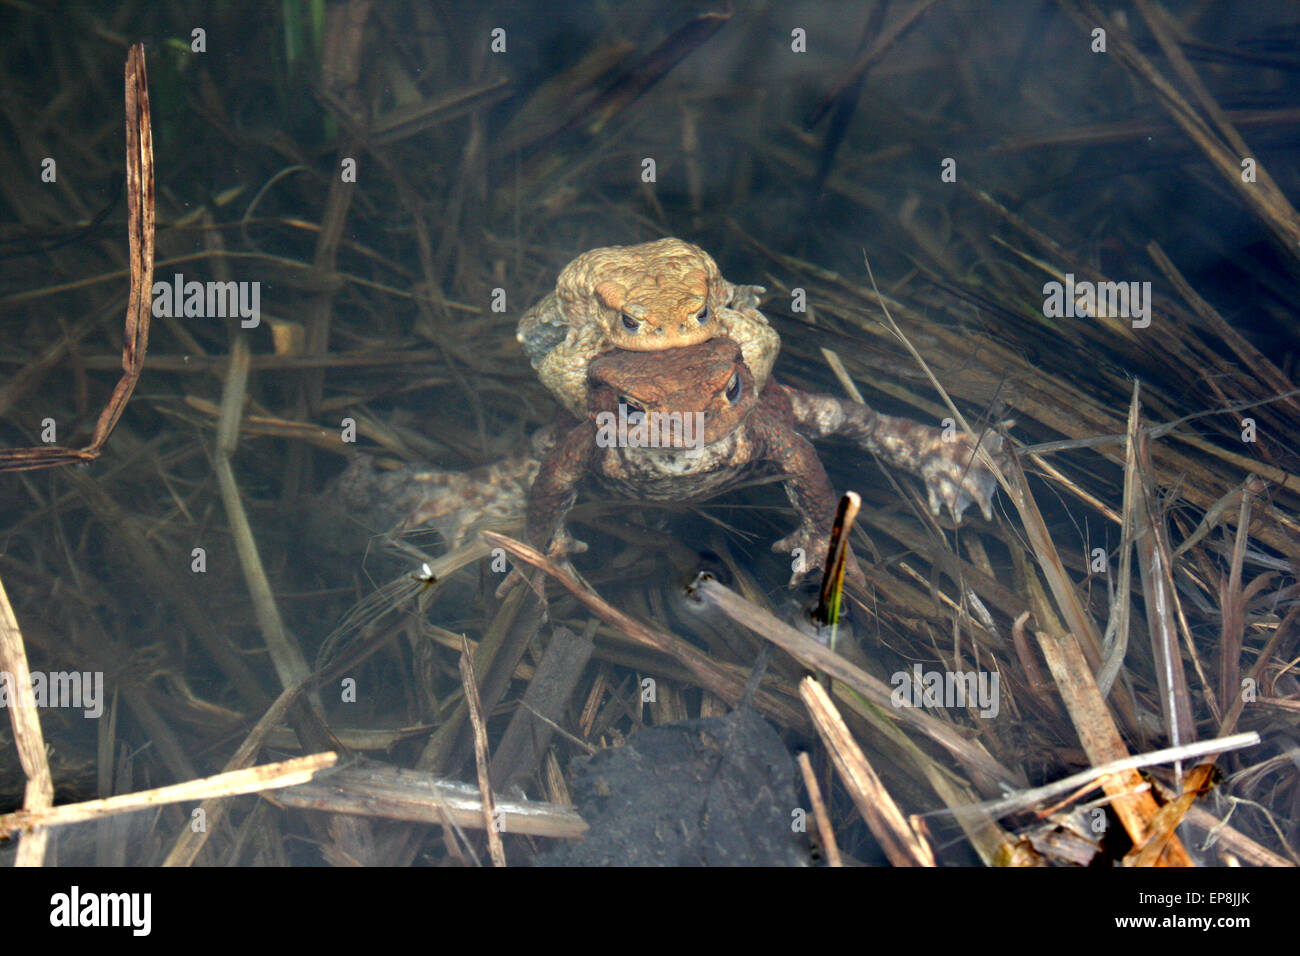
(595, 116)
(269, 776)
(26, 379)
(26, 723)
(825, 831)
(1037, 683)
(1233, 597)
(1283, 631)
(1161, 603)
(1168, 818)
(190, 842)
(541, 709)
(982, 451)
(901, 844)
(1235, 840)
(144, 555)
(1086, 780)
(725, 684)
(885, 39)
(820, 658)
(1049, 560)
(1102, 742)
(1251, 357)
(1117, 640)
(393, 793)
(1269, 200)
(1261, 195)
(486, 799)
(140, 232)
(512, 628)
(290, 664)
(406, 121)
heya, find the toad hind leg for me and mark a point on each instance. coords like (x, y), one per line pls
(953, 475)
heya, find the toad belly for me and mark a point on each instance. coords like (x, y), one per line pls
(660, 474)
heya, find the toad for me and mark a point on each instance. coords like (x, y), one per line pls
(644, 298)
(690, 423)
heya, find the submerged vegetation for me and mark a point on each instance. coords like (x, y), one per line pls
(1090, 250)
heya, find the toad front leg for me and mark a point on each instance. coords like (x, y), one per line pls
(553, 493)
(808, 489)
(952, 473)
(556, 488)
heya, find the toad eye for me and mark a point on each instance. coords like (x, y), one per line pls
(734, 388)
(702, 316)
(629, 323)
(633, 412)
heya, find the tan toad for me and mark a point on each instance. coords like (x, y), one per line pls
(644, 298)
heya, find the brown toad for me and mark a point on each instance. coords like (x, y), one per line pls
(725, 428)
(644, 298)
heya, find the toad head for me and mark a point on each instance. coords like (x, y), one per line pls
(709, 382)
(653, 296)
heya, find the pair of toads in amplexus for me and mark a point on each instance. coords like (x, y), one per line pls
(636, 332)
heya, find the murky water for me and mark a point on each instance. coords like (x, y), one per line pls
(369, 212)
